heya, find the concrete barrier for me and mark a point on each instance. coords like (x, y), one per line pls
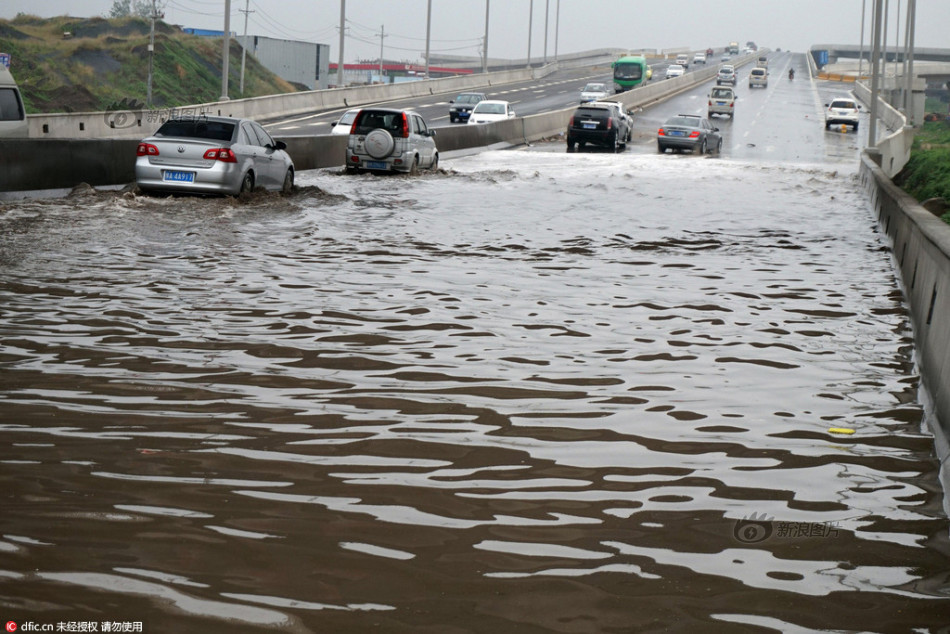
(895, 148)
(921, 245)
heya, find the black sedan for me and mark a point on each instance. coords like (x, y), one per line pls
(688, 132)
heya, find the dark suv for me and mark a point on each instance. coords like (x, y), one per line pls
(598, 124)
(462, 106)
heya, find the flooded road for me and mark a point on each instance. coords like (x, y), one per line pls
(535, 392)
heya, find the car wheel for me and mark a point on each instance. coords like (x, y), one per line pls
(414, 170)
(719, 146)
(661, 148)
(379, 143)
(582, 145)
(247, 184)
(570, 146)
(702, 147)
(452, 118)
(855, 126)
(827, 125)
(435, 162)
(288, 182)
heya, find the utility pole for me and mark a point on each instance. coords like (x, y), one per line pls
(151, 53)
(245, 11)
(382, 36)
(428, 34)
(226, 50)
(909, 74)
(530, 25)
(485, 58)
(340, 83)
(557, 28)
(864, 4)
(875, 70)
(547, 6)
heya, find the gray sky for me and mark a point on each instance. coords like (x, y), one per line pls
(458, 25)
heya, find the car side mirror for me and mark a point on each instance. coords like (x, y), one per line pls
(452, 102)
(715, 129)
(333, 124)
(826, 105)
(431, 133)
(280, 145)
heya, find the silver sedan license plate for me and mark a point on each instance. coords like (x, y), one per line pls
(174, 176)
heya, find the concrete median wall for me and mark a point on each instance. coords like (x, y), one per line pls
(921, 247)
(894, 148)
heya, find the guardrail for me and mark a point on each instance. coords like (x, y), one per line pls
(31, 164)
(895, 148)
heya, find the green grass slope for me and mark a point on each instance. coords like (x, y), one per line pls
(927, 174)
(103, 64)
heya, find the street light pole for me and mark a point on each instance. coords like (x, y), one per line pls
(485, 59)
(864, 4)
(340, 82)
(557, 27)
(246, 12)
(151, 54)
(428, 34)
(382, 36)
(547, 6)
(226, 50)
(909, 75)
(530, 25)
(875, 70)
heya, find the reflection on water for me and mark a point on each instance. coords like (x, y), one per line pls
(536, 392)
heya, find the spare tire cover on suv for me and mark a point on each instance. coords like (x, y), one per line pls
(379, 143)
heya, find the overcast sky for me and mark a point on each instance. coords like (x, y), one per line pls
(459, 25)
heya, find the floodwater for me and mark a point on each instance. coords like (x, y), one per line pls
(534, 392)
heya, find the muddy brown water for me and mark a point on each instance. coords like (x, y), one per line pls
(532, 393)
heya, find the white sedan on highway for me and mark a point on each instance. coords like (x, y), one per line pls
(491, 110)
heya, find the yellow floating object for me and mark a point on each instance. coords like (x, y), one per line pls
(840, 430)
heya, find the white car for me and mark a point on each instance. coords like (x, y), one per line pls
(593, 92)
(699, 58)
(491, 110)
(675, 70)
(842, 111)
(345, 122)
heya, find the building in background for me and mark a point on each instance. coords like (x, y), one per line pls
(302, 63)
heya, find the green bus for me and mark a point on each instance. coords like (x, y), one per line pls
(630, 71)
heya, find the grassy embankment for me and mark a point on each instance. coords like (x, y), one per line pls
(927, 174)
(103, 64)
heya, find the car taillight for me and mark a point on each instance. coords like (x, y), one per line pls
(694, 134)
(405, 126)
(661, 132)
(571, 123)
(610, 122)
(225, 155)
(710, 102)
(146, 149)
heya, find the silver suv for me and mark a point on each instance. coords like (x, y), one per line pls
(387, 140)
(727, 75)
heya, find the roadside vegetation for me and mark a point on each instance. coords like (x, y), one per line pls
(69, 64)
(927, 174)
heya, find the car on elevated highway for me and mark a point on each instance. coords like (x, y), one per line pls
(842, 111)
(598, 124)
(462, 106)
(688, 132)
(343, 125)
(491, 110)
(212, 155)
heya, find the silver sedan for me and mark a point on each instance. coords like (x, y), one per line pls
(212, 155)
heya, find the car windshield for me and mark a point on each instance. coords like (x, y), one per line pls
(628, 70)
(722, 93)
(467, 99)
(594, 88)
(197, 129)
(843, 104)
(686, 122)
(490, 108)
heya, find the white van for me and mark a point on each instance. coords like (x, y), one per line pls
(12, 114)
